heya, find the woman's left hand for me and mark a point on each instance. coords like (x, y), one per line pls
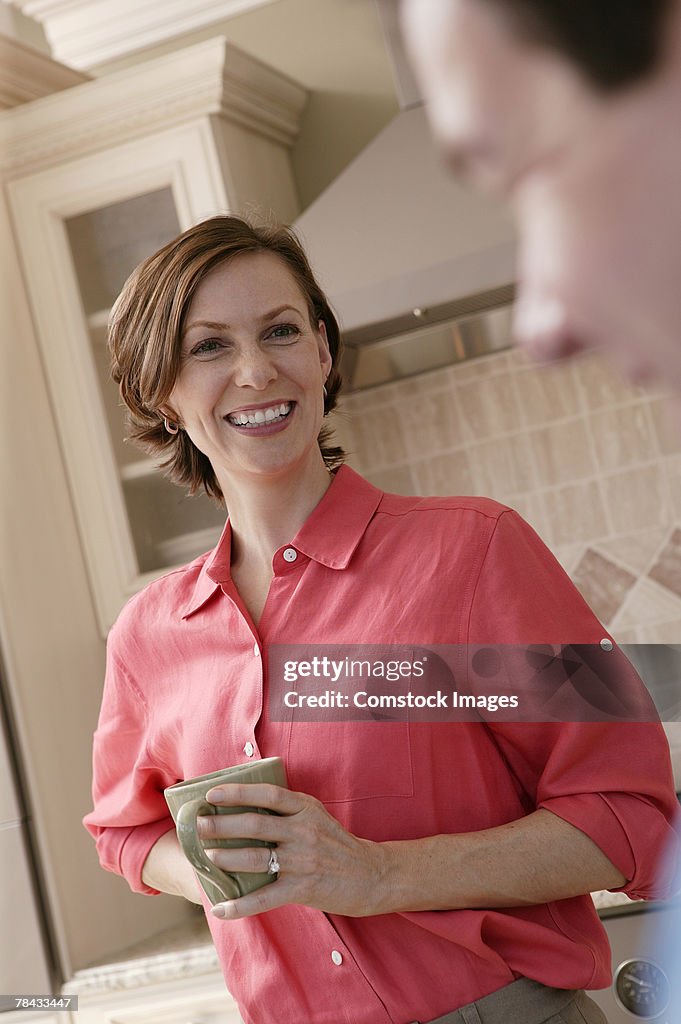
(536, 859)
(321, 865)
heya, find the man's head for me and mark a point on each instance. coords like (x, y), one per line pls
(569, 109)
(614, 43)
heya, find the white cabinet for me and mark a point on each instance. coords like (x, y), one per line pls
(91, 179)
(153, 149)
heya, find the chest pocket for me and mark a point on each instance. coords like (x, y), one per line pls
(344, 761)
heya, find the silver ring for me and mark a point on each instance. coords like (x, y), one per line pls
(273, 864)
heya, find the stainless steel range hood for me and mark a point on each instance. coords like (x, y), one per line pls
(398, 244)
(444, 340)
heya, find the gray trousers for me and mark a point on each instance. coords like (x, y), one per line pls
(527, 1002)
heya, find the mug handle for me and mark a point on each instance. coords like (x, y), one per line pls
(194, 851)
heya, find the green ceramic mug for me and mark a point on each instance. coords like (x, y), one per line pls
(187, 800)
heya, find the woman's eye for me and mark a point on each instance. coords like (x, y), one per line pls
(206, 347)
(284, 332)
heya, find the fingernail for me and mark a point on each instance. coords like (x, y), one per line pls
(219, 910)
(214, 796)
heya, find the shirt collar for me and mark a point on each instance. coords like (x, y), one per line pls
(214, 571)
(329, 535)
(334, 528)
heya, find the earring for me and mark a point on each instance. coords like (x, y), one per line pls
(326, 393)
(172, 428)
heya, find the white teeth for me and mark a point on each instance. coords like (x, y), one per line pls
(260, 416)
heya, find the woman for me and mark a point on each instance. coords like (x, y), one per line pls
(422, 867)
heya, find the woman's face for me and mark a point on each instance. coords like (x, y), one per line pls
(249, 391)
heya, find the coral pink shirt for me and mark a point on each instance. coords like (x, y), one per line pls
(186, 694)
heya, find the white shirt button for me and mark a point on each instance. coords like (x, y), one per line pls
(256, 650)
(606, 644)
(249, 749)
(290, 554)
(337, 957)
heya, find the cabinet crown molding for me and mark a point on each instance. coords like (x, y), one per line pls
(27, 74)
(210, 78)
(86, 33)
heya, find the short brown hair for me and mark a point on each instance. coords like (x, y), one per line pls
(147, 321)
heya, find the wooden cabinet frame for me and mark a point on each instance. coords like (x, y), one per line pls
(228, 150)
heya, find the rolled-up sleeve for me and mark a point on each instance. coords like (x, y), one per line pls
(611, 779)
(129, 813)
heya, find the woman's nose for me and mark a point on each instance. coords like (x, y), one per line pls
(254, 368)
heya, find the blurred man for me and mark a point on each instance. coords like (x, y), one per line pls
(571, 109)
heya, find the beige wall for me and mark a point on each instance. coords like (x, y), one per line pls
(592, 464)
(332, 47)
(335, 49)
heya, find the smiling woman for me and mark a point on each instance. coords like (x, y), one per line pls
(173, 314)
(425, 870)
(249, 390)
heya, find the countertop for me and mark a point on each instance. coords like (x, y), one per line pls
(183, 951)
(187, 951)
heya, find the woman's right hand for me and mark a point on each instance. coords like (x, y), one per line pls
(167, 869)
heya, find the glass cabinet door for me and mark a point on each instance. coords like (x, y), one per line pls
(82, 229)
(168, 527)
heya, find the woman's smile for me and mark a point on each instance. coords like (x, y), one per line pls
(262, 419)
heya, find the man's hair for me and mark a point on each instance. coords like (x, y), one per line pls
(614, 43)
(147, 323)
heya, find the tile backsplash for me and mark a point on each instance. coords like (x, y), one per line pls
(590, 462)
